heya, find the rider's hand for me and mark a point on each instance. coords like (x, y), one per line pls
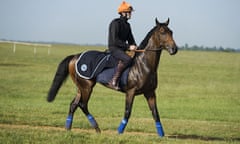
(132, 47)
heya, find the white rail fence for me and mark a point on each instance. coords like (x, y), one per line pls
(15, 43)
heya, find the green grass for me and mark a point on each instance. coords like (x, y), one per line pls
(198, 100)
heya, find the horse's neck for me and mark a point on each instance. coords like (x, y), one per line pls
(149, 59)
(144, 70)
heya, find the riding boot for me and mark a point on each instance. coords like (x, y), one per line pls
(114, 83)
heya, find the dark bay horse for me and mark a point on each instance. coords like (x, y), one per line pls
(142, 78)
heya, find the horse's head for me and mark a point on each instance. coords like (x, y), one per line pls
(163, 37)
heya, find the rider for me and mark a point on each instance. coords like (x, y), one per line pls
(120, 39)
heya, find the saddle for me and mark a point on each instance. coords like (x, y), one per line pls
(100, 66)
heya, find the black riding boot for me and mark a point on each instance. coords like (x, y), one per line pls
(114, 83)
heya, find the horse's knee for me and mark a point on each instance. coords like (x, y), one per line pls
(81, 105)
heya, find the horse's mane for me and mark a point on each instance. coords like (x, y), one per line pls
(144, 43)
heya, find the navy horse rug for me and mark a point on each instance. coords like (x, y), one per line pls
(99, 65)
(91, 63)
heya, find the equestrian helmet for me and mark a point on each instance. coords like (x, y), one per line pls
(125, 7)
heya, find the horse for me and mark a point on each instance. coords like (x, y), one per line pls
(142, 78)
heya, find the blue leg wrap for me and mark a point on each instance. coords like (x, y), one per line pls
(92, 120)
(69, 122)
(159, 129)
(122, 126)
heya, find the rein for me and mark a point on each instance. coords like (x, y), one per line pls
(143, 50)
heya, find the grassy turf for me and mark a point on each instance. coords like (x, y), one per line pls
(198, 100)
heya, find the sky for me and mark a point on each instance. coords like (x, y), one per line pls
(205, 23)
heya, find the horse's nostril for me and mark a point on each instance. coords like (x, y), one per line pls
(173, 51)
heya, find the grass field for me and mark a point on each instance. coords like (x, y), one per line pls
(198, 100)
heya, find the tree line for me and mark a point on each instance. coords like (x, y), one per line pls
(202, 48)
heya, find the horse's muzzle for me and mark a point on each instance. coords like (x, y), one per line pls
(173, 51)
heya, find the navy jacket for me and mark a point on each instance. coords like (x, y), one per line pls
(120, 35)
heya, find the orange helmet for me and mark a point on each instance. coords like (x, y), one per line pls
(125, 7)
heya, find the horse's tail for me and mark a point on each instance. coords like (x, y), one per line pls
(60, 77)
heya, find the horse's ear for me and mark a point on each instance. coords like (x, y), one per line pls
(167, 22)
(157, 22)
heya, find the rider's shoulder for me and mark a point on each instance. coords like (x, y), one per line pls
(116, 20)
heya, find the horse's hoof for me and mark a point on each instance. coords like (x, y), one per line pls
(98, 130)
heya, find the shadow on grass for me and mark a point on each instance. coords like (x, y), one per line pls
(203, 138)
(12, 65)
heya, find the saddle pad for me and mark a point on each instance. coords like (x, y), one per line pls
(106, 75)
(91, 63)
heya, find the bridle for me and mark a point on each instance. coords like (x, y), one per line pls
(143, 50)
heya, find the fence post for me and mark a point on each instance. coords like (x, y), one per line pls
(35, 50)
(14, 47)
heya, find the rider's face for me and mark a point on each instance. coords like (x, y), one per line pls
(127, 14)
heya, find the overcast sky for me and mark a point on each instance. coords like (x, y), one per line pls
(195, 22)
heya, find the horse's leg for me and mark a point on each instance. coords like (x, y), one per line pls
(86, 93)
(151, 99)
(128, 108)
(75, 102)
(72, 109)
